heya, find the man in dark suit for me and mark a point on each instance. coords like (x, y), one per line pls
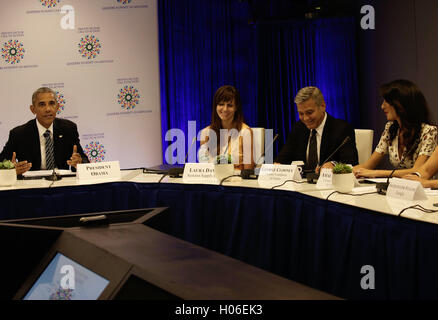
(44, 142)
(317, 135)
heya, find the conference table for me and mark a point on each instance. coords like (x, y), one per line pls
(355, 246)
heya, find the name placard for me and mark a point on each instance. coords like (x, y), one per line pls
(99, 171)
(199, 173)
(275, 174)
(405, 189)
(325, 179)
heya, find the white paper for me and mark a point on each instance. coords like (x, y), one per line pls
(275, 174)
(431, 192)
(46, 173)
(405, 189)
(200, 173)
(376, 180)
(99, 171)
(361, 190)
(37, 173)
(325, 179)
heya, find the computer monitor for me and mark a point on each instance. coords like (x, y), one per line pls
(95, 273)
(65, 279)
(99, 273)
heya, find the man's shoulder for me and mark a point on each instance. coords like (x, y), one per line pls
(24, 127)
(338, 123)
(64, 123)
(298, 126)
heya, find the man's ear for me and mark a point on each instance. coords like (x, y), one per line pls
(32, 108)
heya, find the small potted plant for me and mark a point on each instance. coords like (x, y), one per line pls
(8, 176)
(224, 166)
(343, 178)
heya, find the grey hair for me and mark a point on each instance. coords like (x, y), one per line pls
(307, 93)
(43, 90)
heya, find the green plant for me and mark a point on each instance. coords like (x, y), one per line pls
(7, 164)
(224, 158)
(341, 168)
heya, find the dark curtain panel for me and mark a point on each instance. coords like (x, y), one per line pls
(206, 44)
(293, 55)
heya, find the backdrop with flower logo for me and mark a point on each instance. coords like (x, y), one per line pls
(101, 58)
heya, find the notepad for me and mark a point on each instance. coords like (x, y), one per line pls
(37, 174)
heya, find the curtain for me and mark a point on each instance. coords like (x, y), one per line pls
(293, 55)
(204, 45)
(207, 44)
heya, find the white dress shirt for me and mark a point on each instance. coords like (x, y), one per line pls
(319, 131)
(41, 131)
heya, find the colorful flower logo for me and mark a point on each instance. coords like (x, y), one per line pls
(128, 97)
(61, 102)
(89, 47)
(49, 3)
(95, 151)
(13, 51)
(124, 1)
(62, 294)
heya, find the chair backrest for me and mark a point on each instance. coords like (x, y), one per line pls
(258, 136)
(364, 143)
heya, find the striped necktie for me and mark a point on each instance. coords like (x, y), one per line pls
(50, 158)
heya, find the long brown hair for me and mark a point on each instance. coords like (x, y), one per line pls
(411, 106)
(226, 93)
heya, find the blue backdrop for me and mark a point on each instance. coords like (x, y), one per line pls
(206, 44)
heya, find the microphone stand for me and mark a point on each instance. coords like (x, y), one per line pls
(249, 173)
(382, 187)
(178, 172)
(53, 176)
(312, 177)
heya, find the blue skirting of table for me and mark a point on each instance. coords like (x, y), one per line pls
(319, 243)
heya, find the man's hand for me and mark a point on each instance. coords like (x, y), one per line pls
(75, 157)
(327, 165)
(22, 166)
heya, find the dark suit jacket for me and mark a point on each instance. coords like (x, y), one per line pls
(25, 142)
(335, 131)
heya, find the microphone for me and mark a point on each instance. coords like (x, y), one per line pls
(312, 177)
(382, 187)
(178, 172)
(333, 153)
(53, 176)
(249, 173)
(225, 152)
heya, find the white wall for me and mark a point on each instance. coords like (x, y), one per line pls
(128, 35)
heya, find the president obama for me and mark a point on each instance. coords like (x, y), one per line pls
(44, 143)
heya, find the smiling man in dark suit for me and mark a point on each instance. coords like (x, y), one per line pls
(317, 135)
(44, 142)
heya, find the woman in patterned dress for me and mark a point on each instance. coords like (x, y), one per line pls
(427, 171)
(409, 138)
